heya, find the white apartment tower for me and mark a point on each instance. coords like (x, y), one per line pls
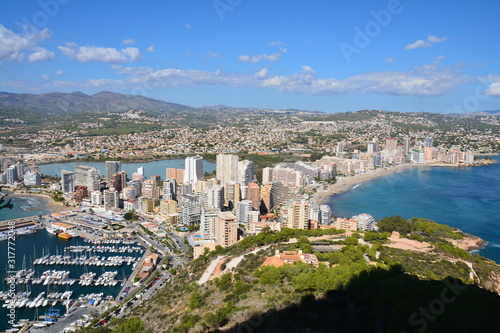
(67, 181)
(227, 168)
(194, 169)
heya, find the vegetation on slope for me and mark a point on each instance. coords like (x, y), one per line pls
(396, 290)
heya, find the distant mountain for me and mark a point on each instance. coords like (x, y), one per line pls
(105, 101)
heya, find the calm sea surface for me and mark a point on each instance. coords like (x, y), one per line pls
(466, 198)
(150, 168)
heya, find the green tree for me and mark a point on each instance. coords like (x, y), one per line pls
(132, 325)
(351, 241)
(196, 300)
(395, 223)
(269, 275)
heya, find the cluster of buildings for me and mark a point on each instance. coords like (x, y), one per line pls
(16, 174)
(223, 208)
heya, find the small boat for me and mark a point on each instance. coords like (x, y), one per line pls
(64, 235)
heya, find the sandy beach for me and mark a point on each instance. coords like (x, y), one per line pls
(346, 183)
(48, 202)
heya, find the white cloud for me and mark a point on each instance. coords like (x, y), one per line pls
(41, 54)
(262, 73)
(102, 54)
(427, 80)
(12, 44)
(59, 72)
(493, 89)
(439, 57)
(418, 44)
(389, 60)
(45, 77)
(262, 56)
(129, 41)
(187, 26)
(434, 39)
(425, 43)
(214, 55)
(151, 48)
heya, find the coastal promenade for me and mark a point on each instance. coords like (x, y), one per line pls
(344, 184)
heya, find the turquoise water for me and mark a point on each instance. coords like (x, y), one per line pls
(150, 168)
(466, 198)
(24, 206)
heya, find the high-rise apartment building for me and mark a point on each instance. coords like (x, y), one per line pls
(190, 209)
(227, 168)
(87, 176)
(254, 195)
(232, 194)
(150, 189)
(243, 209)
(119, 180)
(296, 216)
(32, 178)
(112, 167)
(207, 222)
(110, 199)
(246, 172)
(194, 169)
(429, 142)
(96, 198)
(391, 144)
(177, 174)
(169, 189)
(12, 175)
(67, 181)
(226, 229)
(371, 148)
(215, 197)
(406, 146)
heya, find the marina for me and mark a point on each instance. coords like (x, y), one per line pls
(55, 276)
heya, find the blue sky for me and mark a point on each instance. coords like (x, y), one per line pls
(332, 56)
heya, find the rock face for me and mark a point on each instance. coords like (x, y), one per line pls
(468, 242)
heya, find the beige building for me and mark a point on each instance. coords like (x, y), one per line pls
(226, 229)
(177, 174)
(168, 207)
(296, 216)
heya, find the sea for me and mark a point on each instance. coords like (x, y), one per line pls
(467, 198)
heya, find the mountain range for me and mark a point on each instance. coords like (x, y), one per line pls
(105, 101)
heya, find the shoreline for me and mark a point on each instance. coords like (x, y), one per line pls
(345, 184)
(47, 204)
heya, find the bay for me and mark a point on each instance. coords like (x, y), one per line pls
(467, 198)
(150, 168)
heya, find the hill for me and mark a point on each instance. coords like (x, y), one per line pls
(365, 286)
(77, 102)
